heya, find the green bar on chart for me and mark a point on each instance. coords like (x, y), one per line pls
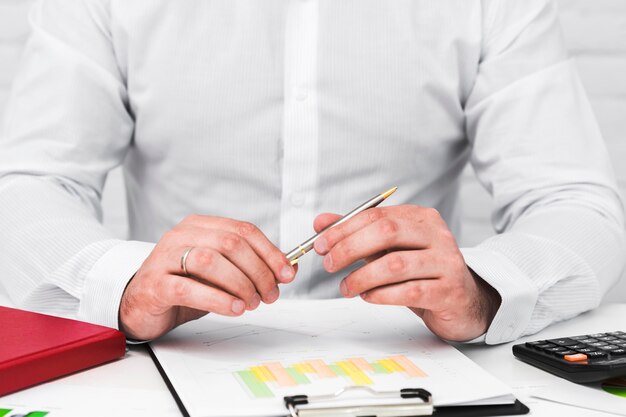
(37, 414)
(4, 412)
(298, 376)
(258, 388)
(337, 370)
(379, 369)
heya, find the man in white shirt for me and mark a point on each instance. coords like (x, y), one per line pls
(259, 116)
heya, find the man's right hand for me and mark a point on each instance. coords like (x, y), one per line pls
(231, 268)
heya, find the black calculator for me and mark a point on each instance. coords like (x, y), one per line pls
(584, 358)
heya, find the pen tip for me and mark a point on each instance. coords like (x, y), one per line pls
(389, 192)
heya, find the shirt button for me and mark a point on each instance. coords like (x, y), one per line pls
(297, 199)
(301, 94)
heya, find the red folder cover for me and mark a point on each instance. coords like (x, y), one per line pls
(35, 347)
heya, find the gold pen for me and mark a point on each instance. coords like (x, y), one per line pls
(295, 254)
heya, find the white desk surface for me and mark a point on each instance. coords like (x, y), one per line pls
(132, 386)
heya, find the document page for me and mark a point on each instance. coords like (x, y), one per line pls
(244, 366)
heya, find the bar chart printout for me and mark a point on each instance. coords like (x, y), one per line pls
(8, 412)
(262, 381)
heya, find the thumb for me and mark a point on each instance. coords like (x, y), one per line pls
(324, 220)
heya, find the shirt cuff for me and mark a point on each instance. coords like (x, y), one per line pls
(106, 281)
(479, 339)
(518, 294)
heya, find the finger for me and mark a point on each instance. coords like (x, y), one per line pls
(239, 252)
(271, 255)
(416, 217)
(393, 268)
(267, 251)
(420, 294)
(210, 266)
(187, 292)
(337, 233)
(324, 220)
(384, 234)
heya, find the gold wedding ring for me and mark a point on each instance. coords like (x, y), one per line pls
(183, 260)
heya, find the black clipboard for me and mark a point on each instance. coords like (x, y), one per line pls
(422, 400)
(408, 402)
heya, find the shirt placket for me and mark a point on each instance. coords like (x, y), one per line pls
(300, 128)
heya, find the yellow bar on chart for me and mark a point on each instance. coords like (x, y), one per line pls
(395, 365)
(354, 373)
(304, 368)
(262, 373)
(410, 368)
(388, 365)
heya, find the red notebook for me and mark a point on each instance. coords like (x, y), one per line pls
(35, 347)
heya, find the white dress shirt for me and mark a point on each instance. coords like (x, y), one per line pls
(274, 111)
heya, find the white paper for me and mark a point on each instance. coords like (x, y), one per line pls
(591, 397)
(205, 359)
(130, 386)
(11, 410)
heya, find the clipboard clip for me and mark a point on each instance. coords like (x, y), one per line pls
(410, 402)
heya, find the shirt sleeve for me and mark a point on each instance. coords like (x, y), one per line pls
(538, 150)
(67, 125)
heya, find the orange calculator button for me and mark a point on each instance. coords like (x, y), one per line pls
(575, 358)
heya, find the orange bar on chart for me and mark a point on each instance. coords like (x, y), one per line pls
(362, 364)
(409, 367)
(280, 373)
(323, 371)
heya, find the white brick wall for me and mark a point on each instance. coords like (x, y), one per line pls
(596, 34)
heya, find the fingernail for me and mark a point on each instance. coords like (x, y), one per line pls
(256, 300)
(321, 245)
(343, 287)
(328, 262)
(274, 294)
(238, 306)
(287, 273)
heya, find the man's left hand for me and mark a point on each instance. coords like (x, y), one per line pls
(413, 260)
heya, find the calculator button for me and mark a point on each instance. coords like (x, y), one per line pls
(596, 355)
(608, 347)
(618, 352)
(585, 350)
(579, 337)
(607, 338)
(598, 335)
(620, 344)
(589, 340)
(557, 349)
(566, 352)
(544, 346)
(563, 341)
(578, 346)
(576, 357)
(598, 344)
(617, 333)
(533, 344)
